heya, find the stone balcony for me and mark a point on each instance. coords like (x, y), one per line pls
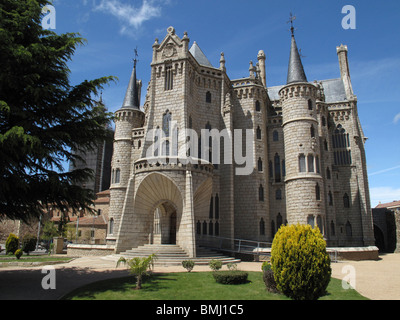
(174, 163)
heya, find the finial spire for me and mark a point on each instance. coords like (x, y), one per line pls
(292, 18)
(135, 61)
(296, 71)
(132, 93)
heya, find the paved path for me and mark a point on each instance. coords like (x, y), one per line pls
(378, 280)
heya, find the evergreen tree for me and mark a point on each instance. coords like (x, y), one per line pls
(42, 116)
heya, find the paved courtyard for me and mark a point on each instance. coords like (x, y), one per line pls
(377, 280)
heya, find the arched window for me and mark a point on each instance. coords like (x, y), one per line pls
(332, 228)
(346, 201)
(258, 133)
(261, 193)
(111, 226)
(169, 78)
(208, 97)
(330, 198)
(310, 221)
(341, 144)
(349, 231)
(117, 176)
(279, 220)
(211, 213)
(302, 163)
(317, 192)
(323, 120)
(277, 164)
(328, 173)
(319, 223)
(260, 165)
(310, 104)
(216, 206)
(275, 136)
(216, 228)
(166, 127)
(317, 164)
(210, 228)
(258, 106)
(312, 131)
(310, 163)
(278, 194)
(262, 227)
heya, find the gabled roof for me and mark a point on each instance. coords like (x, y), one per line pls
(199, 55)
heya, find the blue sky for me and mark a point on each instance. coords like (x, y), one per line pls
(114, 28)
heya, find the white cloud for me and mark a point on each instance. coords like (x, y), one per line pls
(383, 195)
(128, 15)
(396, 118)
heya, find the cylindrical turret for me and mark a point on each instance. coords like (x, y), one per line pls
(304, 184)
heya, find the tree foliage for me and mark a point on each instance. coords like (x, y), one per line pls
(300, 263)
(43, 117)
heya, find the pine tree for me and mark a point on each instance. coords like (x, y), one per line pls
(42, 116)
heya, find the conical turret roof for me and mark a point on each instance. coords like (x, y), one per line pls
(296, 71)
(132, 93)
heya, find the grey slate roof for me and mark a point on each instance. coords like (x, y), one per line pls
(295, 70)
(333, 89)
(199, 55)
(132, 93)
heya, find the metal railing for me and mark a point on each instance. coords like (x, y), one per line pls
(236, 245)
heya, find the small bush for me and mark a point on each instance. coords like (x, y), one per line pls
(18, 253)
(28, 243)
(230, 277)
(188, 265)
(12, 244)
(232, 266)
(215, 265)
(300, 262)
(266, 266)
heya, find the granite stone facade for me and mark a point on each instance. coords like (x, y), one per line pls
(303, 142)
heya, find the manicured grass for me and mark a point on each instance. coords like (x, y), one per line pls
(193, 286)
(33, 259)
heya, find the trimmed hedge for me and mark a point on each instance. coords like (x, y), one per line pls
(230, 277)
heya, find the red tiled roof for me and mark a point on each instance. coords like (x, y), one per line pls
(91, 220)
(392, 204)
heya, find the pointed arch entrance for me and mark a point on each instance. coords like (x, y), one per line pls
(165, 224)
(156, 215)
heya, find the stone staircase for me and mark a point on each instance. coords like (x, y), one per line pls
(170, 254)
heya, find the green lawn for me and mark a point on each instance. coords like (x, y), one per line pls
(193, 286)
(33, 259)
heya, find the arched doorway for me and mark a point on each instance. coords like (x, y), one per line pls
(165, 224)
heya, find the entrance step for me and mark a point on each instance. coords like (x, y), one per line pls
(170, 254)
